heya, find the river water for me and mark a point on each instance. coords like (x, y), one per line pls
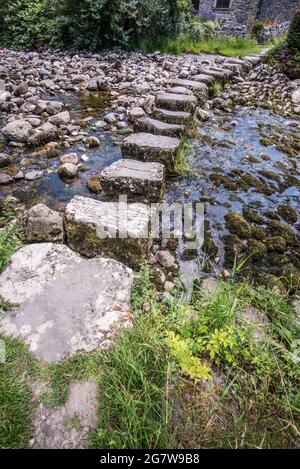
(242, 161)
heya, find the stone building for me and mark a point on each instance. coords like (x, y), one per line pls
(277, 14)
(238, 16)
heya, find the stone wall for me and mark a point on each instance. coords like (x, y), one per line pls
(279, 11)
(237, 20)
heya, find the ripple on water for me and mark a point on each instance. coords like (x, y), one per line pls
(232, 169)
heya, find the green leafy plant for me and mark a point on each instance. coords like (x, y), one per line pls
(258, 26)
(90, 24)
(293, 38)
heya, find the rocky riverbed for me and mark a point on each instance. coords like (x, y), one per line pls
(64, 117)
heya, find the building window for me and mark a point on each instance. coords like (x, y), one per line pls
(196, 5)
(223, 4)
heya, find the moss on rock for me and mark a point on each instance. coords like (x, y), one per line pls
(288, 213)
(276, 244)
(94, 184)
(252, 217)
(234, 248)
(256, 249)
(238, 225)
(276, 228)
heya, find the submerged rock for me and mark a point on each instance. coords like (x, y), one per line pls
(288, 213)
(94, 184)
(92, 142)
(67, 170)
(276, 244)
(276, 228)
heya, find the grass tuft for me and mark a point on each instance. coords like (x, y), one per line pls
(223, 45)
(181, 163)
(134, 409)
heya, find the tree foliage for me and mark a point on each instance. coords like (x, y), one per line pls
(294, 35)
(90, 24)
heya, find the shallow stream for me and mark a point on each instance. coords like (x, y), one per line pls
(240, 161)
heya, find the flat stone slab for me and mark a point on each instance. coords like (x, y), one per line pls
(220, 75)
(203, 78)
(65, 304)
(115, 229)
(67, 426)
(136, 179)
(176, 102)
(173, 117)
(157, 127)
(148, 147)
(253, 59)
(197, 87)
(180, 90)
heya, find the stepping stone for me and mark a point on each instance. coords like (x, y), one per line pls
(180, 90)
(253, 59)
(206, 79)
(65, 304)
(176, 102)
(218, 75)
(53, 427)
(199, 89)
(149, 147)
(157, 127)
(134, 179)
(173, 117)
(117, 229)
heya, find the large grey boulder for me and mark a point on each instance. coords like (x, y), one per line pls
(65, 304)
(54, 107)
(62, 118)
(21, 89)
(47, 132)
(18, 131)
(136, 179)
(148, 147)
(117, 229)
(43, 224)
